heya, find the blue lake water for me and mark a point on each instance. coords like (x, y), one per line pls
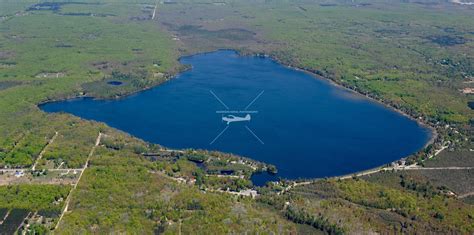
(115, 83)
(305, 126)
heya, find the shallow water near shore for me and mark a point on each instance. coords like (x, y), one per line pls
(305, 126)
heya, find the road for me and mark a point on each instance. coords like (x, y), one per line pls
(466, 195)
(44, 150)
(68, 199)
(154, 11)
(376, 170)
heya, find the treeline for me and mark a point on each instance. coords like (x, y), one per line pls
(33, 197)
(132, 81)
(73, 144)
(22, 153)
(320, 222)
(426, 189)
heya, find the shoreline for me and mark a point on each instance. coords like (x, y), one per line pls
(433, 135)
(183, 68)
(168, 77)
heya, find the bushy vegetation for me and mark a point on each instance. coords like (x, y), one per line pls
(353, 206)
(123, 192)
(24, 154)
(199, 158)
(33, 197)
(300, 216)
(445, 212)
(72, 146)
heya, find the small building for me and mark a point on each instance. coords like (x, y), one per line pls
(19, 174)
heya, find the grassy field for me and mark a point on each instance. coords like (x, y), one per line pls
(413, 56)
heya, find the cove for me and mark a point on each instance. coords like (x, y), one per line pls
(305, 126)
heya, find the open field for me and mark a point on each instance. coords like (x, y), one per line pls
(413, 56)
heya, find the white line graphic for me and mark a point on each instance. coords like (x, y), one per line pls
(217, 98)
(253, 101)
(219, 135)
(251, 132)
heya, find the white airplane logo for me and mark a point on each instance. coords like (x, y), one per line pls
(232, 118)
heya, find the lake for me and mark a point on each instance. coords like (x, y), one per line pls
(304, 125)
